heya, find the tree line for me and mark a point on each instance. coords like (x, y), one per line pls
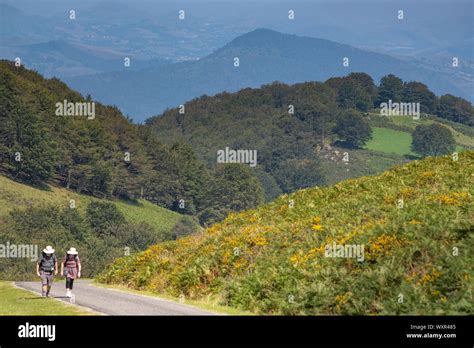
(108, 156)
(171, 160)
(286, 123)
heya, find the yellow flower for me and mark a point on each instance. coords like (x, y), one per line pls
(294, 259)
(317, 250)
(415, 222)
(298, 259)
(429, 278)
(260, 241)
(455, 198)
(226, 257)
(382, 245)
(317, 227)
(407, 192)
(212, 230)
(341, 300)
(240, 263)
(317, 224)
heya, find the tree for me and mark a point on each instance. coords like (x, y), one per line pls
(31, 152)
(100, 180)
(432, 140)
(366, 82)
(185, 226)
(192, 175)
(103, 217)
(352, 129)
(295, 174)
(391, 88)
(456, 109)
(352, 95)
(417, 92)
(355, 91)
(233, 188)
(7, 103)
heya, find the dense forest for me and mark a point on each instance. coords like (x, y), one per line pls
(171, 160)
(106, 156)
(292, 127)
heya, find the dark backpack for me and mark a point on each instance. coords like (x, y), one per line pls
(48, 265)
(67, 258)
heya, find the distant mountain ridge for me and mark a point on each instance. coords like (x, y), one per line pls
(60, 58)
(264, 56)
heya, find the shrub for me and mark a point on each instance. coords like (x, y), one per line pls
(103, 216)
(432, 140)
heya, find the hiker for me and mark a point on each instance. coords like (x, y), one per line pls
(71, 269)
(47, 268)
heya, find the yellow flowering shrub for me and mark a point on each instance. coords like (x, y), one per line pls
(255, 259)
(454, 198)
(382, 245)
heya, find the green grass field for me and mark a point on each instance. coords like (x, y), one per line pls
(390, 141)
(15, 301)
(464, 141)
(393, 135)
(16, 195)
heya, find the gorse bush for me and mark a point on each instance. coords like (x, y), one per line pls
(414, 221)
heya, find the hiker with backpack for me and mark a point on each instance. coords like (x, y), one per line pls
(71, 269)
(47, 268)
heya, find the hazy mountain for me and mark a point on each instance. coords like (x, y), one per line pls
(148, 30)
(264, 56)
(18, 26)
(62, 59)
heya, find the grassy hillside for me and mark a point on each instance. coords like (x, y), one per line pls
(390, 141)
(362, 162)
(16, 195)
(393, 135)
(100, 229)
(417, 257)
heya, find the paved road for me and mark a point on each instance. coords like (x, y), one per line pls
(114, 302)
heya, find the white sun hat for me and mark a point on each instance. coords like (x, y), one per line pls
(49, 250)
(72, 251)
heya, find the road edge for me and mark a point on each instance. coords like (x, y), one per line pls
(87, 309)
(157, 297)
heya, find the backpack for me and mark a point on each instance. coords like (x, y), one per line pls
(75, 258)
(48, 265)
